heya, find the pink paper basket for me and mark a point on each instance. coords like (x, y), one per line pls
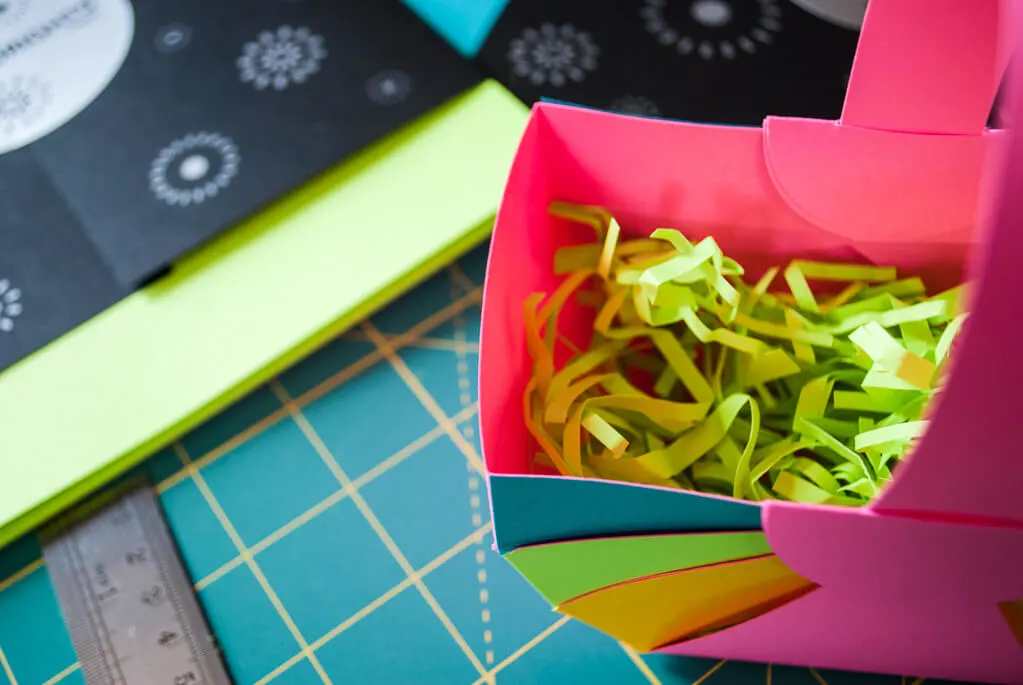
(927, 580)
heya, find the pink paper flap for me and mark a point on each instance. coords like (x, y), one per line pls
(855, 633)
(969, 461)
(930, 66)
(824, 169)
(931, 71)
(858, 552)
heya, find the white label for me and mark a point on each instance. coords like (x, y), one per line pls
(56, 57)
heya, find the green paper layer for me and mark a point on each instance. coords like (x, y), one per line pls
(231, 316)
(562, 571)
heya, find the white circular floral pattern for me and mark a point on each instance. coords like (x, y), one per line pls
(715, 32)
(82, 13)
(22, 101)
(173, 38)
(194, 168)
(281, 58)
(635, 104)
(389, 87)
(11, 11)
(10, 305)
(553, 55)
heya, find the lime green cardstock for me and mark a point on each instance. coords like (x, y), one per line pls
(561, 571)
(246, 306)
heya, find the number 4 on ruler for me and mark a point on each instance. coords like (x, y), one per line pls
(124, 593)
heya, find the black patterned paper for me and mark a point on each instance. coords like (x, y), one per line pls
(719, 61)
(219, 109)
(259, 100)
(51, 276)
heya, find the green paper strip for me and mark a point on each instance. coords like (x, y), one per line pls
(696, 379)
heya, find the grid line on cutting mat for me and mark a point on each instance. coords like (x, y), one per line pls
(250, 560)
(474, 486)
(371, 518)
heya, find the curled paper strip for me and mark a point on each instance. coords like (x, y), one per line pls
(696, 379)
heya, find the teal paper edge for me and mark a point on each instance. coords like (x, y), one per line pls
(490, 120)
(529, 510)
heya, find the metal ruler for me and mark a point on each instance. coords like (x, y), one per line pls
(130, 607)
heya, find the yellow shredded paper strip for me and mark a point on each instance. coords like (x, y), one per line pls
(696, 379)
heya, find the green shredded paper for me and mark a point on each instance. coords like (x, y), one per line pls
(700, 380)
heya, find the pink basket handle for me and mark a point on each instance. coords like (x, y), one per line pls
(969, 462)
(927, 66)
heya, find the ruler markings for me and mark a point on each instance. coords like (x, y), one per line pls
(124, 593)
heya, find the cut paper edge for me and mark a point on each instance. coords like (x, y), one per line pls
(529, 510)
(803, 154)
(657, 611)
(563, 571)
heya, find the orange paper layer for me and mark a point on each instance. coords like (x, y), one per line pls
(658, 610)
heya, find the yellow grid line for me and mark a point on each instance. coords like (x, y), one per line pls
(279, 534)
(514, 656)
(226, 447)
(324, 504)
(818, 677)
(332, 499)
(425, 398)
(374, 522)
(243, 551)
(643, 666)
(24, 572)
(6, 666)
(281, 670)
(769, 668)
(713, 669)
(460, 278)
(462, 545)
(378, 602)
(425, 342)
(63, 674)
(919, 681)
(444, 344)
(471, 298)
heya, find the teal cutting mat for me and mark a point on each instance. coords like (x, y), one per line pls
(337, 528)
